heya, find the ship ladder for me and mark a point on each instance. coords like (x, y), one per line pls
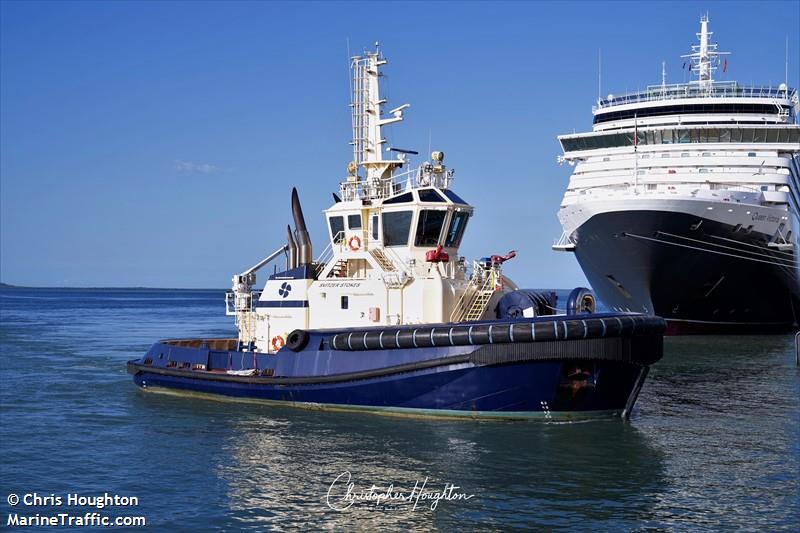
(386, 264)
(339, 270)
(476, 298)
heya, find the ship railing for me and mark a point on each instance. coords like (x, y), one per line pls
(426, 175)
(328, 253)
(241, 302)
(485, 279)
(564, 243)
(721, 89)
(397, 261)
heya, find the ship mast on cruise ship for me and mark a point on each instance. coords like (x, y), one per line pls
(684, 200)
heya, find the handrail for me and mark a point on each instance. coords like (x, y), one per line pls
(241, 302)
(694, 90)
(398, 263)
(426, 175)
(480, 274)
(327, 254)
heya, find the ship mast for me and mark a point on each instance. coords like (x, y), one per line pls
(367, 106)
(704, 58)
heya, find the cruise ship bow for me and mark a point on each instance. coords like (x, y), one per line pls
(683, 201)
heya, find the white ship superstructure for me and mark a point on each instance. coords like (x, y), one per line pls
(392, 258)
(684, 197)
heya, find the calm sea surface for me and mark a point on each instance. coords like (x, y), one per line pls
(714, 442)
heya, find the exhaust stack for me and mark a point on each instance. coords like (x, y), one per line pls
(304, 252)
(292, 260)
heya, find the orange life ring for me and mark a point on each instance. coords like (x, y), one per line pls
(278, 343)
(355, 247)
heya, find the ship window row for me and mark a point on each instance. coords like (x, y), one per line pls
(397, 227)
(425, 195)
(690, 109)
(684, 136)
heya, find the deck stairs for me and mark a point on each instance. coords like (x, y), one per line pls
(476, 297)
(386, 264)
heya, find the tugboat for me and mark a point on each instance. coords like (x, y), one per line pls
(389, 317)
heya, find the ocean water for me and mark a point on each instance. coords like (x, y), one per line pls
(713, 444)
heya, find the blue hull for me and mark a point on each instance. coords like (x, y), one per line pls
(512, 391)
(505, 376)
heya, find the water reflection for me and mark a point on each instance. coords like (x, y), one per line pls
(280, 464)
(713, 443)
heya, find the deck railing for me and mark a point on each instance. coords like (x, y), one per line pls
(678, 91)
(426, 175)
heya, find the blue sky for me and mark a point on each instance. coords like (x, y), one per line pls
(156, 144)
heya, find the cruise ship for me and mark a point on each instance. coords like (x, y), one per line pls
(684, 197)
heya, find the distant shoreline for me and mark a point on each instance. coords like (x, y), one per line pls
(9, 286)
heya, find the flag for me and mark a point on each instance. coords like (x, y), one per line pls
(690, 67)
(684, 65)
(725, 65)
(635, 132)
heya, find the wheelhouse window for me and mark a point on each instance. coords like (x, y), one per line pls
(354, 221)
(456, 199)
(456, 230)
(429, 227)
(337, 228)
(375, 228)
(403, 198)
(429, 195)
(396, 226)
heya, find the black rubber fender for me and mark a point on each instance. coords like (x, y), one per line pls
(297, 340)
(583, 326)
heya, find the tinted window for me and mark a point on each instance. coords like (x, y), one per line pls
(429, 195)
(688, 110)
(429, 227)
(456, 199)
(694, 135)
(354, 221)
(456, 230)
(337, 228)
(396, 226)
(403, 198)
(374, 228)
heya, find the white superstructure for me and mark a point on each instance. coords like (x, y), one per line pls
(392, 257)
(710, 151)
(715, 149)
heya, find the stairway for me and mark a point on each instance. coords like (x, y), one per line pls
(339, 269)
(386, 264)
(476, 297)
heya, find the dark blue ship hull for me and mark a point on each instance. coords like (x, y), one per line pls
(700, 275)
(547, 367)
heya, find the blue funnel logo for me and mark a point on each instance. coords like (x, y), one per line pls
(285, 289)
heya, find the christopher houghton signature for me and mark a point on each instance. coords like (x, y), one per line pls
(342, 494)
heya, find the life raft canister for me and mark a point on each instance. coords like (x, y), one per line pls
(354, 243)
(278, 343)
